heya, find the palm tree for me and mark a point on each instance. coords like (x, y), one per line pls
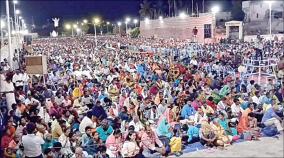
(158, 9)
(175, 8)
(170, 5)
(146, 10)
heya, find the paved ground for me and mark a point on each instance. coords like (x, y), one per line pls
(266, 147)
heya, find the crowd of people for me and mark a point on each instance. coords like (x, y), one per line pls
(143, 97)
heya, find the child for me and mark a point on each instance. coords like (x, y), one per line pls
(175, 143)
(102, 152)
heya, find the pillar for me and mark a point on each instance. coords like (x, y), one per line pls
(227, 31)
(241, 31)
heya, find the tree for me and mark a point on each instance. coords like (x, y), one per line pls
(170, 5)
(146, 10)
(237, 12)
(85, 28)
(135, 33)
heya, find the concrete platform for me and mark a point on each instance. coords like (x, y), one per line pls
(266, 147)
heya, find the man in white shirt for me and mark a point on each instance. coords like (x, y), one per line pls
(236, 109)
(32, 143)
(18, 80)
(87, 121)
(193, 61)
(137, 124)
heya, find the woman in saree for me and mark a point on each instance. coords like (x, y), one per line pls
(223, 139)
(224, 123)
(248, 123)
(164, 132)
(168, 115)
(207, 135)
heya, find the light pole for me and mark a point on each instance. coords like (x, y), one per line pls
(68, 27)
(270, 15)
(135, 21)
(214, 10)
(126, 22)
(2, 25)
(78, 31)
(107, 26)
(97, 21)
(119, 24)
(75, 26)
(20, 23)
(14, 5)
(9, 33)
(17, 12)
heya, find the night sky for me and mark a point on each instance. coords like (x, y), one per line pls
(66, 10)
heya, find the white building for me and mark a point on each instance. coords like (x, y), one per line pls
(257, 17)
(223, 16)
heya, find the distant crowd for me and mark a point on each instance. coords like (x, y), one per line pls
(136, 97)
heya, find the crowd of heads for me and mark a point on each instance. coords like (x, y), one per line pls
(141, 97)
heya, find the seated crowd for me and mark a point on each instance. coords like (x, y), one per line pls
(115, 103)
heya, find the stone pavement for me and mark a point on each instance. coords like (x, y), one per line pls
(266, 147)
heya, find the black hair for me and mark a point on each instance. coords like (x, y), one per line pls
(251, 114)
(130, 133)
(131, 128)
(102, 148)
(30, 128)
(117, 131)
(46, 151)
(87, 128)
(210, 98)
(89, 114)
(57, 146)
(236, 100)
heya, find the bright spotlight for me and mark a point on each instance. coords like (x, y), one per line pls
(215, 9)
(147, 20)
(17, 11)
(127, 20)
(75, 26)
(85, 21)
(135, 21)
(97, 21)
(67, 26)
(2, 23)
(182, 15)
(78, 29)
(119, 23)
(15, 2)
(269, 2)
(160, 18)
(108, 22)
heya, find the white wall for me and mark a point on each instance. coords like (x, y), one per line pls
(266, 37)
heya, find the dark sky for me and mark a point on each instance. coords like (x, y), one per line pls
(112, 10)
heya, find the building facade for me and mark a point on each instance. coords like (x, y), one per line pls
(257, 14)
(181, 28)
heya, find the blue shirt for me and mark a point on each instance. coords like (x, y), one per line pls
(245, 105)
(104, 134)
(270, 113)
(192, 132)
(266, 100)
(187, 111)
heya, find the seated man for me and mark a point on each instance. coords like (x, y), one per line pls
(148, 141)
(270, 118)
(187, 111)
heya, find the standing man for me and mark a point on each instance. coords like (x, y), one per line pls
(32, 143)
(194, 32)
